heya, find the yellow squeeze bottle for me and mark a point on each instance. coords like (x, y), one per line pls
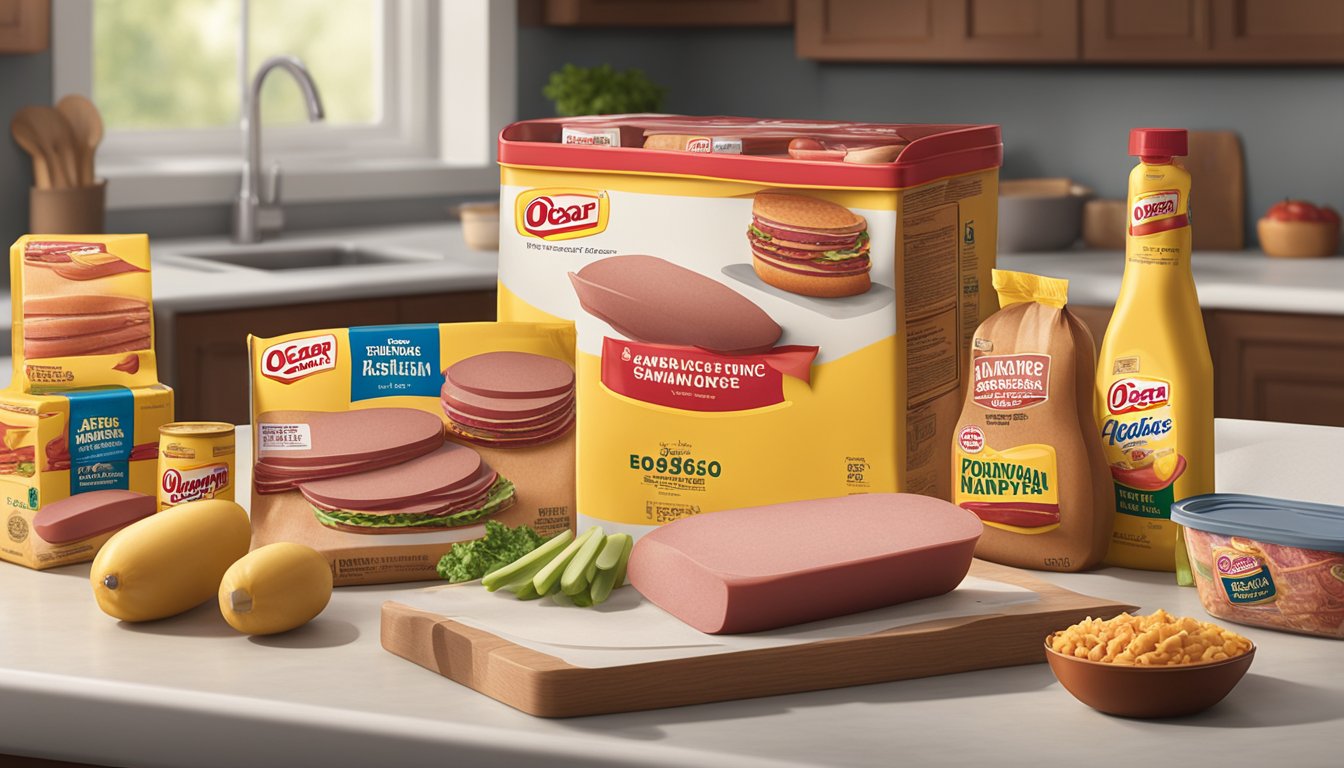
(1155, 378)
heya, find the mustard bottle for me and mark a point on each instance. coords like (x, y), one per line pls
(1154, 399)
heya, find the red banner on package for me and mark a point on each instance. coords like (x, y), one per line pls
(693, 379)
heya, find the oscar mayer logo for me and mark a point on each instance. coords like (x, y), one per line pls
(1130, 395)
(561, 213)
(1154, 206)
(206, 482)
(701, 144)
(289, 361)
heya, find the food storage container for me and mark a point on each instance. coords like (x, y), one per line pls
(1267, 562)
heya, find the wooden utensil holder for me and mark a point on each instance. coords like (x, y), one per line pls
(70, 211)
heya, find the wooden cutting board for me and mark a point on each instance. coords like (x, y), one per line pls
(1218, 191)
(546, 686)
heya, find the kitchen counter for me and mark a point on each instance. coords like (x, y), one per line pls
(1240, 280)
(76, 685)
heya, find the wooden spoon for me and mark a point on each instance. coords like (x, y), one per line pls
(88, 128)
(26, 136)
(57, 140)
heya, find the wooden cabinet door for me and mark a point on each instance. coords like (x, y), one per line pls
(666, 13)
(1146, 31)
(937, 30)
(1279, 31)
(1279, 367)
(24, 26)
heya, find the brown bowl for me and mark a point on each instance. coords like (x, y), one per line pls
(1298, 239)
(1148, 692)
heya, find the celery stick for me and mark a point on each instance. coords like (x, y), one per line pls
(574, 580)
(612, 551)
(602, 585)
(526, 591)
(549, 576)
(623, 562)
(526, 566)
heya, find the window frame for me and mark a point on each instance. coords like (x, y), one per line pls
(423, 149)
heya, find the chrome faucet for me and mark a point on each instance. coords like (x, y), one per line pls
(254, 211)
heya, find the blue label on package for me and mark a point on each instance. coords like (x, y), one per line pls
(394, 361)
(101, 436)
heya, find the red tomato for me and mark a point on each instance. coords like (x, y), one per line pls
(1293, 210)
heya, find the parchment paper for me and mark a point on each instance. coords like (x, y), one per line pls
(627, 629)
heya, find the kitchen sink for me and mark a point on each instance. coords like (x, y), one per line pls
(297, 258)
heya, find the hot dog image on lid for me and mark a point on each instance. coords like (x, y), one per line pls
(809, 246)
(509, 399)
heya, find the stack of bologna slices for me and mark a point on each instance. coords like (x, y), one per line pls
(341, 443)
(379, 470)
(509, 399)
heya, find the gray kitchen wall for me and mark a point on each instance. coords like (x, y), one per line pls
(1057, 120)
(24, 79)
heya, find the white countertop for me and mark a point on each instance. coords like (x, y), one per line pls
(1244, 280)
(76, 685)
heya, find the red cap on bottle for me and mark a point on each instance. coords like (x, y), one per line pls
(1158, 142)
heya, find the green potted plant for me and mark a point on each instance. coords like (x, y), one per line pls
(602, 90)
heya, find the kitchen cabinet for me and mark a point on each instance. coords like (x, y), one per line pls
(203, 355)
(24, 25)
(1100, 31)
(666, 13)
(1267, 366)
(1214, 31)
(937, 30)
(1279, 367)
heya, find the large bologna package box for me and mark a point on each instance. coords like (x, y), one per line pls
(766, 311)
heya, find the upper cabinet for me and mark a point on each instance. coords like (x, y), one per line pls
(666, 13)
(24, 26)
(1099, 31)
(938, 30)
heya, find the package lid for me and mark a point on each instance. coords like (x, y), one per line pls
(1278, 521)
(931, 152)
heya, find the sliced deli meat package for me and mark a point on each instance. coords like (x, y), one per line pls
(753, 328)
(1026, 458)
(383, 446)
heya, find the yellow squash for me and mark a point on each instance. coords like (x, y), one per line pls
(169, 562)
(276, 588)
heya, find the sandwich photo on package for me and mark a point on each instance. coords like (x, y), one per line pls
(383, 446)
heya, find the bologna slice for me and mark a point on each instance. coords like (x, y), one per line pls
(510, 375)
(91, 514)
(447, 469)
(747, 570)
(512, 438)
(484, 479)
(126, 339)
(504, 408)
(653, 300)
(339, 437)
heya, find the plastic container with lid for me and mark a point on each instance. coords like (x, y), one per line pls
(1268, 562)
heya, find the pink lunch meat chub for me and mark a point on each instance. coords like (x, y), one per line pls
(759, 568)
(91, 514)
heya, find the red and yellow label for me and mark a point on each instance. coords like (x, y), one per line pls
(561, 213)
(1015, 489)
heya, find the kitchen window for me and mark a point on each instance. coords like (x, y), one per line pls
(415, 92)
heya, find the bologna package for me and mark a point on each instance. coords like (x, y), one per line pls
(382, 446)
(754, 326)
(81, 418)
(1027, 459)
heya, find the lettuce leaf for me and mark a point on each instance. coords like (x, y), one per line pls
(501, 545)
